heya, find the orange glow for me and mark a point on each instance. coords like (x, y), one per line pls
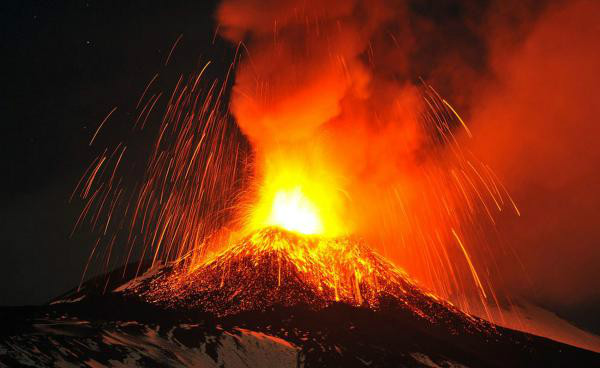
(292, 269)
(297, 199)
(313, 141)
(317, 128)
(293, 211)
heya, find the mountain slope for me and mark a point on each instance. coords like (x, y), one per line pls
(273, 299)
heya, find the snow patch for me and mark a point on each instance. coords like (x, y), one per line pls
(74, 300)
(133, 283)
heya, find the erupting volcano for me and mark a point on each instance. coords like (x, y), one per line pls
(313, 205)
(273, 267)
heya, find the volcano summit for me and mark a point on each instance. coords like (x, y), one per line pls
(276, 267)
(273, 299)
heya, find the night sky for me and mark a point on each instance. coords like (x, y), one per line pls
(65, 67)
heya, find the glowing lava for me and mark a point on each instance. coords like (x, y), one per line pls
(294, 212)
(300, 197)
(272, 267)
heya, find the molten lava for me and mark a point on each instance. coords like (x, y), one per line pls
(293, 211)
(273, 267)
(300, 196)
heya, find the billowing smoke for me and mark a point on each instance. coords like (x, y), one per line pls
(336, 84)
(326, 81)
(536, 123)
(316, 70)
(333, 87)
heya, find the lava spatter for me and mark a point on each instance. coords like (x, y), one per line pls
(273, 267)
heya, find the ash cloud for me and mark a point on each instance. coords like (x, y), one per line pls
(344, 75)
(535, 122)
(327, 81)
(341, 78)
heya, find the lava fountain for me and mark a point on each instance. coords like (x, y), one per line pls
(297, 197)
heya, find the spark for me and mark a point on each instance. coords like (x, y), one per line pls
(173, 48)
(102, 124)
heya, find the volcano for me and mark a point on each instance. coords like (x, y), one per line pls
(272, 299)
(275, 267)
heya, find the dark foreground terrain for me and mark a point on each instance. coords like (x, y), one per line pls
(96, 328)
(111, 332)
(273, 299)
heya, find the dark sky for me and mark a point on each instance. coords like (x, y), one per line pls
(64, 68)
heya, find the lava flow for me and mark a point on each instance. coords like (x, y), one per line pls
(289, 257)
(273, 267)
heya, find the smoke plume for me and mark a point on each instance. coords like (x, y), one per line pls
(338, 86)
(536, 123)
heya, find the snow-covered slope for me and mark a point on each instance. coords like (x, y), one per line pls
(74, 343)
(530, 318)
